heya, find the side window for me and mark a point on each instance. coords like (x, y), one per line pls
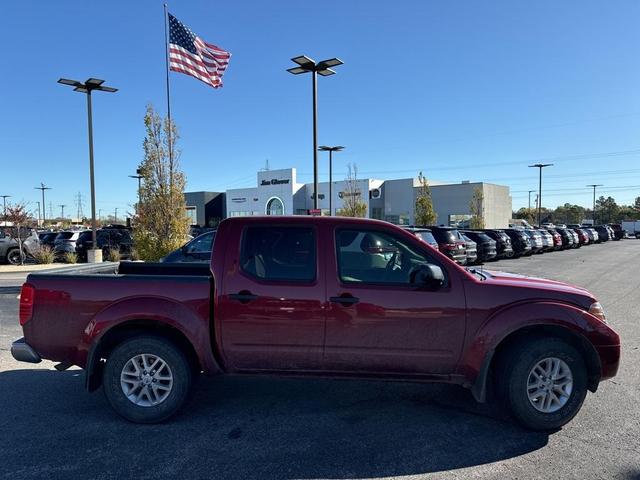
(201, 244)
(376, 257)
(279, 253)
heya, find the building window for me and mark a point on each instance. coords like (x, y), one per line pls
(192, 214)
(275, 206)
(376, 213)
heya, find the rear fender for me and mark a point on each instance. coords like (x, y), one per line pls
(165, 312)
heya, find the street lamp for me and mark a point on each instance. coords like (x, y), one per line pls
(324, 148)
(139, 177)
(530, 192)
(593, 185)
(42, 188)
(4, 200)
(87, 87)
(540, 166)
(321, 68)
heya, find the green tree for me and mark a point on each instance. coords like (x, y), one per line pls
(161, 223)
(636, 204)
(425, 214)
(528, 214)
(352, 204)
(607, 210)
(476, 207)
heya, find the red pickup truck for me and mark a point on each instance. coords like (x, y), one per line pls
(338, 297)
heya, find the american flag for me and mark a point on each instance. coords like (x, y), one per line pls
(191, 55)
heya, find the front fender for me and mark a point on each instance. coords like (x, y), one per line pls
(156, 309)
(477, 356)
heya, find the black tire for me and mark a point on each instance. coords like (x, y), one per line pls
(513, 373)
(157, 346)
(13, 256)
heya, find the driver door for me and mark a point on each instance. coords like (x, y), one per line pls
(377, 320)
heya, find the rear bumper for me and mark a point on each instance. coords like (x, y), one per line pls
(23, 352)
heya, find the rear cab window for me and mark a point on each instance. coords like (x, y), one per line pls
(279, 253)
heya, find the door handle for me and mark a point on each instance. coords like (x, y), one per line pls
(243, 296)
(345, 300)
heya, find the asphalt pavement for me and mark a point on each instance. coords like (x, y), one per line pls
(270, 428)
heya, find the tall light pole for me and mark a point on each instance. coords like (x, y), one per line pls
(540, 166)
(139, 177)
(4, 200)
(115, 217)
(594, 185)
(42, 187)
(62, 211)
(324, 148)
(321, 68)
(87, 87)
(38, 213)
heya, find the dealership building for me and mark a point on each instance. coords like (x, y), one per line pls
(278, 192)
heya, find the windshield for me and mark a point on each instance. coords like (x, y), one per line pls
(426, 237)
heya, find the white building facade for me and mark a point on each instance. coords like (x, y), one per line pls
(279, 193)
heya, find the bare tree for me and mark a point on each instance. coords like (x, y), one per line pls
(18, 215)
(353, 206)
(476, 206)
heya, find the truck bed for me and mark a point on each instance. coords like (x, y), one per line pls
(71, 305)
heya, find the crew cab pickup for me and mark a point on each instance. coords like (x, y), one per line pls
(337, 297)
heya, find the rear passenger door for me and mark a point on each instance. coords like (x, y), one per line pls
(270, 308)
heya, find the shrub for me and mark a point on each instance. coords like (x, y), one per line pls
(44, 255)
(113, 255)
(134, 255)
(70, 257)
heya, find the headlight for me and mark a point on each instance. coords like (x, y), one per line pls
(597, 311)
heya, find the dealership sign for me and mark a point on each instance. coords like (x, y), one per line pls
(349, 194)
(274, 181)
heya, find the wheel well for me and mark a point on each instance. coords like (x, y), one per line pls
(116, 335)
(589, 354)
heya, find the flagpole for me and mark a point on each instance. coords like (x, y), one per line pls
(166, 59)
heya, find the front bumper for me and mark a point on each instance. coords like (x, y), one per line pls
(23, 352)
(609, 360)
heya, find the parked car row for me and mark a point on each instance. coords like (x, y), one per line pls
(109, 237)
(471, 246)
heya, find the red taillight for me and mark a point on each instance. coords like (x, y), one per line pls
(26, 302)
(448, 246)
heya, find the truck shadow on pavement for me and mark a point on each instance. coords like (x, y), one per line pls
(256, 428)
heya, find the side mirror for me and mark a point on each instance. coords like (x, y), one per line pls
(427, 276)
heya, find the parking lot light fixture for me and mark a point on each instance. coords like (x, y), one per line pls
(42, 188)
(87, 87)
(594, 186)
(306, 64)
(139, 177)
(540, 166)
(324, 148)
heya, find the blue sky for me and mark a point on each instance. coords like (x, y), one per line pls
(459, 90)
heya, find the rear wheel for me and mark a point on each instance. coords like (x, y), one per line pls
(147, 379)
(15, 257)
(544, 382)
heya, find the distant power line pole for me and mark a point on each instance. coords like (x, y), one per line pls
(62, 211)
(530, 192)
(79, 206)
(115, 218)
(4, 200)
(42, 188)
(594, 185)
(50, 209)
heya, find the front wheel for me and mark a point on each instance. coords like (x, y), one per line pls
(147, 379)
(544, 382)
(15, 257)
